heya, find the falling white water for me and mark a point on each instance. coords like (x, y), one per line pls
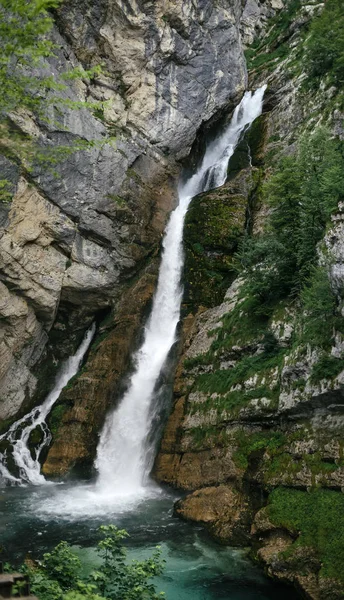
(18, 435)
(121, 457)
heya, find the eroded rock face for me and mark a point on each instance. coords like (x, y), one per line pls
(255, 16)
(79, 413)
(222, 509)
(79, 231)
(170, 65)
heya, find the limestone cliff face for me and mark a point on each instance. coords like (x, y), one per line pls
(170, 65)
(76, 234)
(78, 239)
(246, 421)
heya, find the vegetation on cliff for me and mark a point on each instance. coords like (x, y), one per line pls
(302, 193)
(23, 42)
(319, 55)
(314, 519)
(261, 381)
(325, 46)
(29, 87)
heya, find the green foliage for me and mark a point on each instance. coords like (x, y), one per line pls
(325, 47)
(24, 45)
(118, 580)
(269, 270)
(327, 367)
(26, 84)
(248, 444)
(267, 58)
(221, 381)
(318, 314)
(62, 565)
(302, 192)
(58, 576)
(45, 588)
(247, 323)
(317, 517)
(233, 401)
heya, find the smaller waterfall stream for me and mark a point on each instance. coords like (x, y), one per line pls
(18, 435)
(122, 453)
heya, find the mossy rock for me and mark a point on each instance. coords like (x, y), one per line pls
(240, 158)
(36, 437)
(250, 150)
(257, 137)
(56, 415)
(214, 224)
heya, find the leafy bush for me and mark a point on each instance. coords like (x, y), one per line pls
(58, 575)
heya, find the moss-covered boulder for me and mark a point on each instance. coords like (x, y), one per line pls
(250, 149)
(214, 225)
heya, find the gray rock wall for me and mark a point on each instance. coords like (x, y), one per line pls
(78, 231)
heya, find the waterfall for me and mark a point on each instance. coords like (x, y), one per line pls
(123, 455)
(27, 466)
(122, 451)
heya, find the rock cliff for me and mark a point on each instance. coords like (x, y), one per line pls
(255, 435)
(256, 432)
(76, 236)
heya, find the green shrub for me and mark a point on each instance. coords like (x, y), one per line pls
(327, 367)
(58, 576)
(318, 316)
(302, 192)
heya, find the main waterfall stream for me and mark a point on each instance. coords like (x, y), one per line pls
(36, 518)
(122, 452)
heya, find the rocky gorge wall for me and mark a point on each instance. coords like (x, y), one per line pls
(77, 237)
(257, 424)
(255, 438)
(80, 237)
